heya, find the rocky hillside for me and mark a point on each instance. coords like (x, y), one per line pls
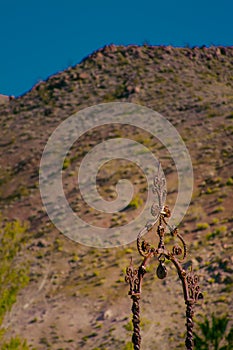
(57, 294)
(3, 98)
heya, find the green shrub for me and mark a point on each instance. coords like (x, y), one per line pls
(15, 344)
(214, 335)
(129, 326)
(215, 221)
(229, 182)
(13, 276)
(209, 191)
(66, 163)
(128, 346)
(202, 226)
(218, 231)
(218, 209)
(136, 202)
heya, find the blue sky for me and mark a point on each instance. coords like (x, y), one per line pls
(40, 38)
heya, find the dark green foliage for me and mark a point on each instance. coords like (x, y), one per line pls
(214, 335)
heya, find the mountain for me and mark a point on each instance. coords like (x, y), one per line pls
(58, 294)
(3, 98)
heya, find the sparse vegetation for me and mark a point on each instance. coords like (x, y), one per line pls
(192, 88)
(66, 163)
(13, 276)
(218, 209)
(128, 346)
(202, 226)
(217, 232)
(214, 334)
(229, 182)
(16, 344)
(136, 202)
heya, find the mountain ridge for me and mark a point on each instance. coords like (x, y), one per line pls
(193, 89)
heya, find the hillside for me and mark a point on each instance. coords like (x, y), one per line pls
(73, 296)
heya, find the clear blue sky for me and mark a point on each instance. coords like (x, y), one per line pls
(40, 38)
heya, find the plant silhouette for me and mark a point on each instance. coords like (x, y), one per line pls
(214, 335)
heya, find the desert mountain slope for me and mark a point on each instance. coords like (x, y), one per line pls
(76, 297)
